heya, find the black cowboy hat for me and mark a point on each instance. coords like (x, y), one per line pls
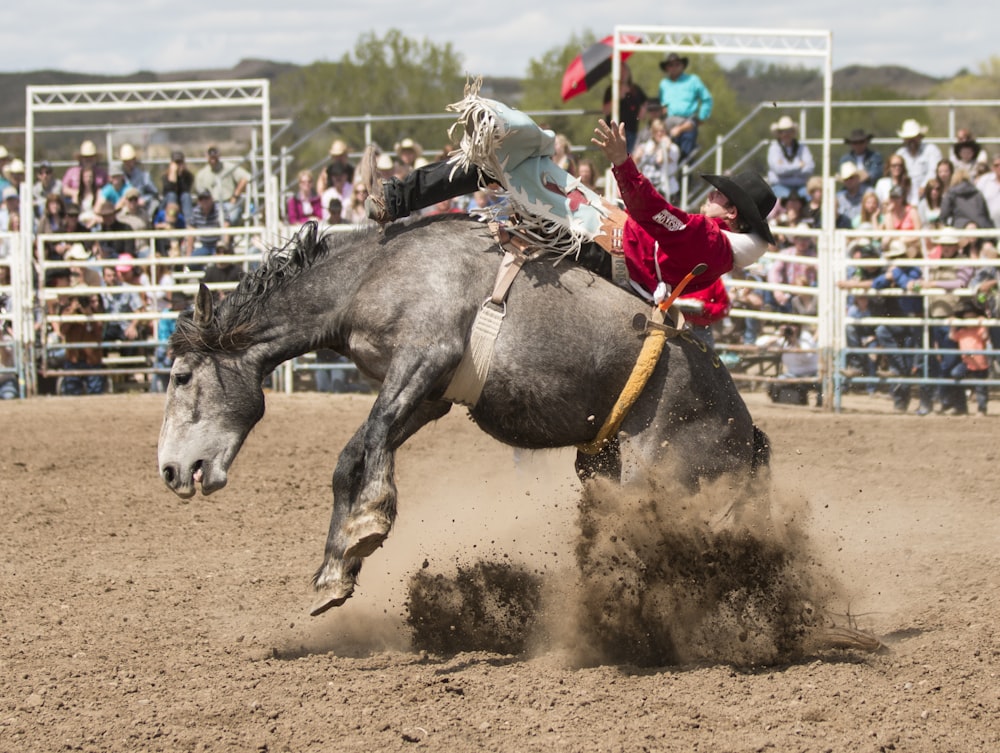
(971, 143)
(752, 196)
(673, 56)
(858, 134)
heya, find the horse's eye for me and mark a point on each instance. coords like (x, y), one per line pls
(182, 378)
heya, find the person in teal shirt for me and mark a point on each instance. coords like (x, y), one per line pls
(688, 102)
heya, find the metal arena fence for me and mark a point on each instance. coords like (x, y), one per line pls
(37, 296)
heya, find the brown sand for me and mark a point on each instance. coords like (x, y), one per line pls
(135, 621)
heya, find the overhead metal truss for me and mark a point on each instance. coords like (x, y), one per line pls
(185, 94)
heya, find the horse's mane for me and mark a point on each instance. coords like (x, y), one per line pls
(231, 326)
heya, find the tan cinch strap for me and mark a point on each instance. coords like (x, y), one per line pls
(646, 362)
(467, 382)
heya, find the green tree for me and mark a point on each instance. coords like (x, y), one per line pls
(391, 75)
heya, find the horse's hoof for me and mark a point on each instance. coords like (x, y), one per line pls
(331, 600)
(365, 534)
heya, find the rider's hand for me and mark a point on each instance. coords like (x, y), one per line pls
(611, 139)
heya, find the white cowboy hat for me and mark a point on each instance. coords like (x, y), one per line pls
(88, 149)
(338, 148)
(911, 129)
(946, 239)
(384, 162)
(784, 123)
(896, 247)
(848, 170)
(77, 252)
(411, 145)
(127, 152)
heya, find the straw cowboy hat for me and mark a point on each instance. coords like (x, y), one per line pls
(673, 57)
(87, 149)
(338, 148)
(911, 129)
(784, 123)
(848, 170)
(409, 145)
(126, 153)
(896, 248)
(752, 197)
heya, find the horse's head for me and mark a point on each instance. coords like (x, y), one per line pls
(213, 401)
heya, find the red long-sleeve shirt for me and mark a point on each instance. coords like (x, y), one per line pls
(685, 240)
(716, 304)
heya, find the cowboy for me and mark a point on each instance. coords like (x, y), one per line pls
(688, 102)
(921, 159)
(662, 243)
(862, 156)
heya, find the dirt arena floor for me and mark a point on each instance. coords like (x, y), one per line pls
(136, 621)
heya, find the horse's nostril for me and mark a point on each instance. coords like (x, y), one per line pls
(169, 473)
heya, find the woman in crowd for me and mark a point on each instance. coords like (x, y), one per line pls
(305, 204)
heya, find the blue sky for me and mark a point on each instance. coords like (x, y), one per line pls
(495, 38)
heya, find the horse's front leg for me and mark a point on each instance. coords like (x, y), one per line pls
(364, 499)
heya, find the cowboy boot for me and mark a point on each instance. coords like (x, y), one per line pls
(375, 207)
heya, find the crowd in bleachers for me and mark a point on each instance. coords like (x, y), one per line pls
(915, 187)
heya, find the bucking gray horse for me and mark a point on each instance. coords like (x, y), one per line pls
(400, 305)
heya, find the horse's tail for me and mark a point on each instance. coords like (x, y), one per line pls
(761, 451)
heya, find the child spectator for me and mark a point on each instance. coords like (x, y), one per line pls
(973, 340)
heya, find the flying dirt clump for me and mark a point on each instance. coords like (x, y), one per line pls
(487, 606)
(663, 577)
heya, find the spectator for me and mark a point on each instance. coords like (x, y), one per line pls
(897, 176)
(114, 190)
(631, 108)
(112, 248)
(46, 185)
(5, 159)
(870, 216)
(10, 205)
(787, 270)
(945, 172)
(563, 154)
(71, 224)
(338, 156)
(12, 225)
(15, 174)
(799, 360)
(989, 186)
(789, 163)
(72, 179)
(334, 213)
(687, 100)
(134, 216)
(657, 159)
(792, 214)
(87, 357)
(337, 185)
(863, 157)
(87, 197)
(356, 213)
(849, 197)
(972, 339)
(898, 339)
(168, 217)
(138, 178)
(53, 220)
(963, 205)
(587, 174)
(205, 214)
(118, 299)
(929, 208)
(305, 204)
(921, 158)
(408, 152)
(654, 111)
(813, 210)
(227, 182)
(178, 184)
(967, 152)
(950, 279)
(900, 215)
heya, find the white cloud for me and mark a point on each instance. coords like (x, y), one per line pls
(493, 38)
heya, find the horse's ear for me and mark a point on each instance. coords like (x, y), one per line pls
(203, 306)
